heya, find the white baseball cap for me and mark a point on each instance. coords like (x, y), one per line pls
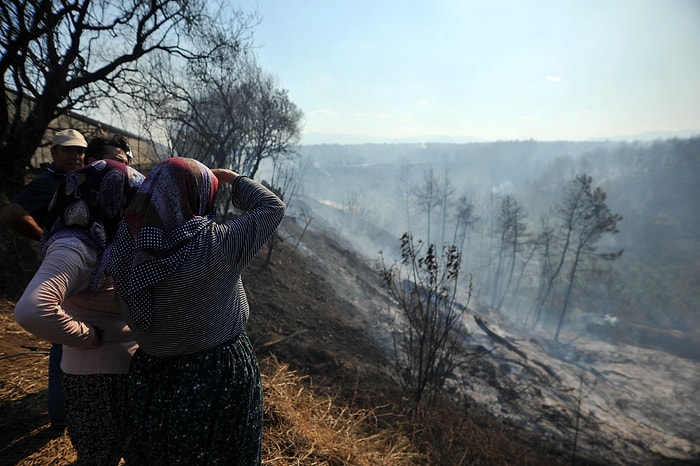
(68, 137)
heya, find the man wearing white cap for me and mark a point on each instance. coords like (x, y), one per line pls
(26, 214)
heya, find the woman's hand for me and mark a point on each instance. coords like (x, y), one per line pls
(225, 175)
(97, 338)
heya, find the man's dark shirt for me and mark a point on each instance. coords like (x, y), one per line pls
(37, 195)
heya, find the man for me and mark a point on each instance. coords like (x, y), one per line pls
(26, 214)
(116, 148)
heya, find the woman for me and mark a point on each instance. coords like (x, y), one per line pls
(194, 382)
(70, 300)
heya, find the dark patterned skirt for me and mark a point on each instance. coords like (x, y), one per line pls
(97, 417)
(198, 409)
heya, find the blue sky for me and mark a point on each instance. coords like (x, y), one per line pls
(386, 70)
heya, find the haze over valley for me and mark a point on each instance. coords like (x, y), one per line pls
(626, 348)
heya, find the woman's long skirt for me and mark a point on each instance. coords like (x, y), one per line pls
(97, 418)
(198, 409)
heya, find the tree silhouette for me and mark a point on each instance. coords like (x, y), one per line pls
(78, 55)
(238, 118)
(585, 219)
(428, 196)
(510, 230)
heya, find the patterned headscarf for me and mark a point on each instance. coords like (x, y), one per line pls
(172, 206)
(89, 204)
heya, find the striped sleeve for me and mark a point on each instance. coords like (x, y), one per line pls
(248, 233)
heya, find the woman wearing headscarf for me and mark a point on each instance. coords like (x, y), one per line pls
(195, 384)
(70, 300)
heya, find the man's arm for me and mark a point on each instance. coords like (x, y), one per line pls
(17, 218)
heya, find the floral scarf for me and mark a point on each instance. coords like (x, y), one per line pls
(174, 204)
(88, 204)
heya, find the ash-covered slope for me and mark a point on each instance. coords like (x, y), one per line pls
(614, 402)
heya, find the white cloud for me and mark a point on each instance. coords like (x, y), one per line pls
(554, 79)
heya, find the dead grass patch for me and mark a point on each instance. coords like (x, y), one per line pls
(303, 428)
(300, 427)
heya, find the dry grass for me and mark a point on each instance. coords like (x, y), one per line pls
(305, 429)
(301, 428)
(26, 439)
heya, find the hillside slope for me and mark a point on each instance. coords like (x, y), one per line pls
(297, 319)
(317, 307)
(617, 393)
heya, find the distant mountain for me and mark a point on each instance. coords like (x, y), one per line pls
(652, 136)
(345, 138)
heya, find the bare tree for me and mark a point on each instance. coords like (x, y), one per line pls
(406, 190)
(544, 242)
(200, 119)
(286, 179)
(77, 55)
(464, 219)
(307, 221)
(428, 197)
(584, 218)
(288, 175)
(274, 121)
(236, 119)
(530, 246)
(446, 194)
(351, 207)
(511, 231)
(428, 342)
(484, 284)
